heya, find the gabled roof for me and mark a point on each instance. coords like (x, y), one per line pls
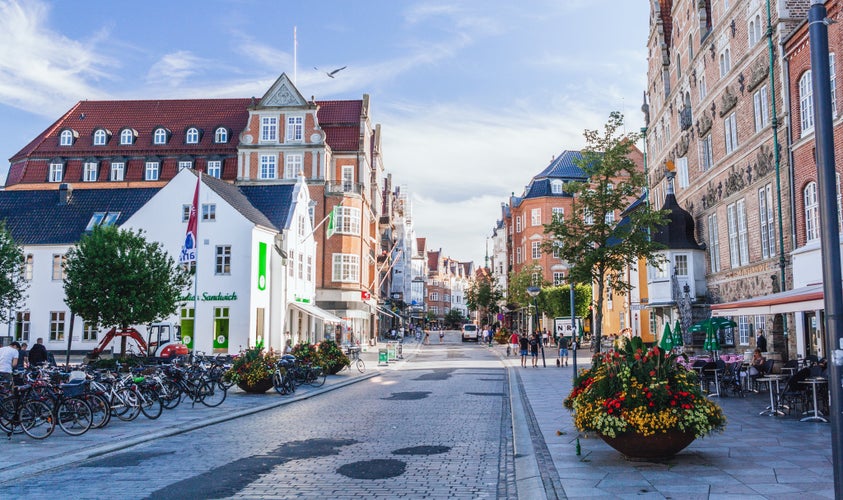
(272, 200)
(563, 167)
(239, 201)
(678, 234)
(37, 218)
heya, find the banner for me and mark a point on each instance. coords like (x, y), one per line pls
(188, 251)
(331, 221)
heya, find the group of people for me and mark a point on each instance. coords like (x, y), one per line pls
(529, 345)
(15, 356)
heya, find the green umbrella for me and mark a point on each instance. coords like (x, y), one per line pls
(677, 334)
(666, 342)
(717, 323)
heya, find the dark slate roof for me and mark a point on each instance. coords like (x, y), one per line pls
(678, 234)
(561, 168)
(272, 200)
(35, 217)
(237, 198)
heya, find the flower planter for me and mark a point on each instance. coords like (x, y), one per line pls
(259, 387)
(659, 446)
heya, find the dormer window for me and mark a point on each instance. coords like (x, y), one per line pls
(556, 187)
(192, 136)
(100, 137)
(89, 171)
(66, 138)
(102, 219)
(160, 136)
(56, 172)
(127, 137)
(221, 135)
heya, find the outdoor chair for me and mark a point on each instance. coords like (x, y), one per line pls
(767, 369)
(731, 379)
(795, 394)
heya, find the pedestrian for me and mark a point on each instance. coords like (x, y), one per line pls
(8, 359)
(534, 349)
(563, 351)
(38, 353)
(426, 337)
(513, 339)
(545, 338)
(524, 344)
(441, 336)
(22, 355)
(288, 347)
(761, 341)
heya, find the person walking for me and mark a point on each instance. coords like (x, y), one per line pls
(22, 357)
(513, 339)
(524, 344)
(534, 349)
(427, 337)
(563, 351)
(761, 341)
(38, 353)
(441, 335)
(8, 359)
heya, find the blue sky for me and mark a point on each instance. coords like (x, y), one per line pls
(474, 97)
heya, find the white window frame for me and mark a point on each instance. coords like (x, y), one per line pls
(185, 165)
(536, 249)
(295, 129)
(558, 213)
(725, 62)
(766, 217)
(345, 268)
(760, 108)
(556, 187)
(151, 171)
(812, 212)
(743, 330)
(730, 132)
(706, 153)
(58, 269)
(127, 137)
(743, 232)
(214, 168)
(754, 30)
(806, 104)
(66, 138)
(268, 167)
(57, 325)
(347, 220)
(222, 264)
(293, 164)
(100, 137)
(89, 171)
(734, 251)
(682, 172)
(209, 212)
(518, 258)
(680, 264)
(56, 172)
(536, 217)
(269, 129)
(221, 135)
(159, 136)
(558, 278)
(517, 223)
(348, 178)
(833, 81)
(117, 172)
(191, 136)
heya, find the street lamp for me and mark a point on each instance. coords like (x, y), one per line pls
(573, 323)
(533, 291)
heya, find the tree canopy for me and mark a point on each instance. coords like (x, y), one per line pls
(598, 242)
(484, 296)
(13, 281)
(115, 277)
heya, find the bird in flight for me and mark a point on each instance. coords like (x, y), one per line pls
(332, 73)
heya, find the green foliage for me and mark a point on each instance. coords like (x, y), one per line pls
(454, 318)
(251, 367)
(484, 294)
(331, 357)
(306, 353)
(518, 284)
(555, 301)
(12, 282)
(602, 249)
(115, 277)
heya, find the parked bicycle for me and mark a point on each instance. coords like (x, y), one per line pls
(282, 379)
(34, 417)
(354, 357)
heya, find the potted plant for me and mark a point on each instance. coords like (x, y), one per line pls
(252, 370)
(331, 357)
(642, 402)
(305, 353)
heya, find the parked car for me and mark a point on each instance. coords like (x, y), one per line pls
(469, 332)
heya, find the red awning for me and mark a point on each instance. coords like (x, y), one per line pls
(808, 298)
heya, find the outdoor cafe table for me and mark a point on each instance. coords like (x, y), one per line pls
(773, 409)
(716, 392)
(814, 381)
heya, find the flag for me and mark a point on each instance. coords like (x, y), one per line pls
(365, 295)
(188, 251)
(331, 223)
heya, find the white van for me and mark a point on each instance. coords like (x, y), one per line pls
(469, 332)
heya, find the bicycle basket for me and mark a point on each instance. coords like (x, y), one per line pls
(73, 389)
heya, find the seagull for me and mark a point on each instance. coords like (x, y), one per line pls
(332, 73)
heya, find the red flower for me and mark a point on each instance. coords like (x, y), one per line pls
(652, 373)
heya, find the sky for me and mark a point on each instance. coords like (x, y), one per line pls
(473, 97)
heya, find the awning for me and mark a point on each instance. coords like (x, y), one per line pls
(807, 298)
(317, 312)
(388, 312)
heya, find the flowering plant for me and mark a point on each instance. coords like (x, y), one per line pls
(252, 367)
(641, 390)
(331, 357)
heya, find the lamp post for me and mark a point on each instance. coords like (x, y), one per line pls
(534, 292)
(573, 323)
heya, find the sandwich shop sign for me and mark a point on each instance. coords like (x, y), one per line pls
(208, 297)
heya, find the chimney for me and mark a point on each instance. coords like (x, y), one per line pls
(65, 192)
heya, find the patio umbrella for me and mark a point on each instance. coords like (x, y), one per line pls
(717, 323)
(677, 334)
(666, 342)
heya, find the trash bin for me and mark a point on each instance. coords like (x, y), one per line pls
(383, 357)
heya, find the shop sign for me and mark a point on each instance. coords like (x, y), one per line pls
(208, 297)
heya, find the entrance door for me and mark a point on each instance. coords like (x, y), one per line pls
(220, 329)
(187, 326)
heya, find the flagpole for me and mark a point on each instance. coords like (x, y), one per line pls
(196, 267)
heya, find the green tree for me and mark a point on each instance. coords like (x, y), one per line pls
(555, 301)
(602, 247)
(518, 284)
(12, 280)
(116, 278)
(484, 296)
(454, 319)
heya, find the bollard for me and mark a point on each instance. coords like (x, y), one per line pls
(579, 450)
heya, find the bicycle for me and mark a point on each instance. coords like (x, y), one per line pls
(282, 379)
(33, 416)
(354, 355)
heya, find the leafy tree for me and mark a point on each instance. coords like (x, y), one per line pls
(12, 280)
(518, 284)
(454, 318)
(115, 277)
(601, 248)
(555, 301)
(484, 296)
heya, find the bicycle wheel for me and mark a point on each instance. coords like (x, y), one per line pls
(279, 383)
(170, 394)
(7, 414)
(100, 410)
(127, 405)
(212, 395)
(74, 416)
(150, 404)
(36, 418)
(316, 377)
(361, 366)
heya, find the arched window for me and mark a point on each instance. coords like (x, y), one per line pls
(221, 135)
(100, 137)
(192, 136)
(159, 136)
(812, 212)
(806, 103)
(127, 137)
(66, 138)
(556, 187)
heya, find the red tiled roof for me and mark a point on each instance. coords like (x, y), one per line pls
(342, 138)
(339, 112)
(433, 261)
(421, 243)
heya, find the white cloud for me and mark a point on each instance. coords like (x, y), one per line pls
(174, 68)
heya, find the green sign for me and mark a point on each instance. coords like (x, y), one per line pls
(211, 296)
(261, 266)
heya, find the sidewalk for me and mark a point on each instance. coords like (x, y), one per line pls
(755, 457)
(23, 456)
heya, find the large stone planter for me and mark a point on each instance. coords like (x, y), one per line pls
(257, 388)
(659, 446)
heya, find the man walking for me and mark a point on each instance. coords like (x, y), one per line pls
(513, 339)
(524, 344)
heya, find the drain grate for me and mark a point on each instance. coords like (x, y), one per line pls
(422, 450)
(373, 469)
(407, 396)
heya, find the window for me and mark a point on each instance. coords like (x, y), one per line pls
(192, 136)
(434, 296)
(702, 86)
(268, 167)
(517, 223)
(151, 172)
(682, 172)
(292, 166)
(730, 132)
(209, 212)
(89, 172)
(765, 216)
(56, 171)
(680, 265)
(806, 103)
(301, 225)
(558, 213)
(295, 128)
(26, 269)
(518, 258)
(309, 268)
(347, 177)
(754, 30)
(223, 259)
(117, 170)
(759, 103)
(66, 138)
(100, 137)
(609, 218)
(734, 255)
(743, 233)
(678, 65)
(346, 268)
(347, 220)
(558, 278)
(89, 331)
(269, 129)
(214, 168)
(102, 219)
(300, 262)
(22, 325)
(706, 153)
(588, 216)
(556, 187)
(159, 136)
(536, 279)
(536, 249)
(557, 249)
(738, 242)
(185, 165)
(185, 212)
(221, 135)
(743, 330)
(725, 62)
(536, 217)
(58, 267)
(56, 325)
(812, 212)
(127, 137)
